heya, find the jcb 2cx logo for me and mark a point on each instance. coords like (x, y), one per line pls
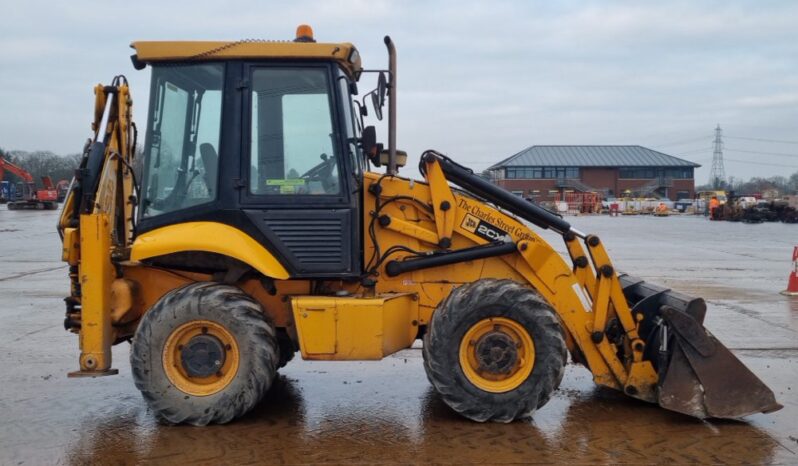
(470, 223)
(482, 229)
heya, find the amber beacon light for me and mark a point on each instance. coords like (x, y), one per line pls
(304, 33)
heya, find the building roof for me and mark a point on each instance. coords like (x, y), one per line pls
(591, 156)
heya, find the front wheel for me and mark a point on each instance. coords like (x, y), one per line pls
(204, 353)
(494, 350)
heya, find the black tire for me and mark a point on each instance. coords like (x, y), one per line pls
(242, 317)
(287, 349)
(472, 303)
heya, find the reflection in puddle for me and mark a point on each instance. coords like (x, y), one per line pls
(344, 423)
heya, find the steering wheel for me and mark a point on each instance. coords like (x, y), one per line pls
(323, 172)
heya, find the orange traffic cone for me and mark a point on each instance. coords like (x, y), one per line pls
(792, 282)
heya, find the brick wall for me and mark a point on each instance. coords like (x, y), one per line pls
(530, 186)
(599, 178)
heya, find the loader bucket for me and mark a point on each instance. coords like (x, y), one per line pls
(698, 375)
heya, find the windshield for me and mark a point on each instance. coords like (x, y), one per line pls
(181, 150)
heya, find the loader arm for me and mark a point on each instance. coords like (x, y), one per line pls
(96, 225)
(631, 335)
(5, 165)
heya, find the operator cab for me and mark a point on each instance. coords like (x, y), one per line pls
(260, 136)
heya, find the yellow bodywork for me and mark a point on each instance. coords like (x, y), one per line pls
(345, 54)
(95, 278)
(102, 227)
(208, 237)
(355, 327)
(583, 298)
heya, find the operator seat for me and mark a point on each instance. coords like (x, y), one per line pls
(210, 162)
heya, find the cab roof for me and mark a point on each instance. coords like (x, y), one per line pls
(345, 54)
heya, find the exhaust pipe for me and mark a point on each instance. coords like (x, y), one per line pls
(391, 107)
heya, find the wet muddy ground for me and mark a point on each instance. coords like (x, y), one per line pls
(386, 412)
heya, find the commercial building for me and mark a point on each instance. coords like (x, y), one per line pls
(549, 173)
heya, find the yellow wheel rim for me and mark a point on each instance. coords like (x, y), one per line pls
(497, 354)
(189, 335)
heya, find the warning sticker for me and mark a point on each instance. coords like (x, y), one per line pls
(286, 182)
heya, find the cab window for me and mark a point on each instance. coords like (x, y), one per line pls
(351, 126)
(293, 148)
(181, 151)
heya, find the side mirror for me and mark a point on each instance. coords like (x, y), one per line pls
(375, 102)
(378, 95)
(382, 88)
(368, 141)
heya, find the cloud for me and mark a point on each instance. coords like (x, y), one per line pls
(772, 100)
(478, 80)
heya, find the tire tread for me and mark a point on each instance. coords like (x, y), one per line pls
(206, 300)
(443, 369)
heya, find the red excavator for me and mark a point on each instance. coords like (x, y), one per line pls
(27, 196)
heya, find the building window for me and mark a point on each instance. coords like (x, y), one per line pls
(515, 173)
(651, 173)
(518, 193)
(681, 173)
(636, 173)
(538, 173)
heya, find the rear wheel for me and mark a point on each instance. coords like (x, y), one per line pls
(494, 350)
(205, 353)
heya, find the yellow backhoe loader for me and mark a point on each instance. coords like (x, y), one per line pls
(255, 228)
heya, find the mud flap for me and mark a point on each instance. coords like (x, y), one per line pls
(703, 378)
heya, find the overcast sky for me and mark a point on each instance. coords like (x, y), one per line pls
(479, 81)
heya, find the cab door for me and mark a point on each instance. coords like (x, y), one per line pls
(295, 170)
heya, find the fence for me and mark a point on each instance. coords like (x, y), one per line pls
(583, 203)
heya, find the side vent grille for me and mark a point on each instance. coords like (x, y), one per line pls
(311, 241)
